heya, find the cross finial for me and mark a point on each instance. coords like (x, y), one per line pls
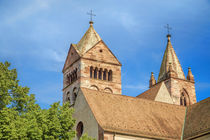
(168, 28)
(91, 16)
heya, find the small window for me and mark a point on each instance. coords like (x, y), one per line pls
(183, 100)
(110, 75)
(104, 74)
(100, 74)
(79, 130)
(68, 97)
(91, 72)
(95, 73)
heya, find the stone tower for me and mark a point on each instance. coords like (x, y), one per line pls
(90, 64)
(181, 89)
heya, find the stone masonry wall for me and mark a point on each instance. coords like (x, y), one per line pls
(176, 86)
(86, 81)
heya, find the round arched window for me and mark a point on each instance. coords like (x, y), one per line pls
(79, 129)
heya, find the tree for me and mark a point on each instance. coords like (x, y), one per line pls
(22, 118)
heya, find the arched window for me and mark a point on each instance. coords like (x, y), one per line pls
(94, 87)
(73, 96)
(79, 129)
(100, 74)
(68, 97)
(68, 79)
(104, 74)
(95, 73)
(108, 90)
(71, 78)
(91, 72)
(110, 75)
(184, 98)
(76, 73)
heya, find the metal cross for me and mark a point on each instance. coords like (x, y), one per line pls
(168, 28)
(91, 15)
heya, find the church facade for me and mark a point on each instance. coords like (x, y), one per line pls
(167, 110)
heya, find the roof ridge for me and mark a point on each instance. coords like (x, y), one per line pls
(126, 96)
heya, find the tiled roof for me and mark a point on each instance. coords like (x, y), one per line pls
(198, 119)
(151, 93)
(89, 39)
(135, 116)
(170, 57)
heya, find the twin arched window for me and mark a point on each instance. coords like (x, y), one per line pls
(71, 96)
(184, 99)
(72, 76)
(100, 74)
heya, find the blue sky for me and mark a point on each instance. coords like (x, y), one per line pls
(35, 36)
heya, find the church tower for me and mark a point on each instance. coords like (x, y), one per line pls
(90, 64)
(181, 89)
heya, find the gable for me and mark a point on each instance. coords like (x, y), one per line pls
(163, 95)
(83, 113)
(151, 93)
(100, 52)
(71, 57)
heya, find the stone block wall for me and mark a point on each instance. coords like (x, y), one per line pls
(176, 86)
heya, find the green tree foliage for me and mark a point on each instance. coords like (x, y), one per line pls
(22, 118)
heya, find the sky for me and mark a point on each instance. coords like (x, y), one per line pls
(35, 37)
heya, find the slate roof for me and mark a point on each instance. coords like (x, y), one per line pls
(170, 57)
(151, 93)
(198, 119)
(136, 116)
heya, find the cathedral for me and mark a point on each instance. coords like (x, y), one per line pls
(167, 110)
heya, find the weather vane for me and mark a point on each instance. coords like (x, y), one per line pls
(168, 28)
(91, 15)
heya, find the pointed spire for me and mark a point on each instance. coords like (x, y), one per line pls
(89, 39)
(190, 76)
(170, 57)
(152, 80)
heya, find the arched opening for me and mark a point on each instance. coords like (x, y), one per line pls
(108, 90)
(76, 73)
(68, 78)
(94, 87)
(184, 98)
(95, 73)
(104, 74)
(110, 75)
(91, 72)
(80, 129)
(68, 97)
(71, 78)
(100, 74)
(74, 95)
